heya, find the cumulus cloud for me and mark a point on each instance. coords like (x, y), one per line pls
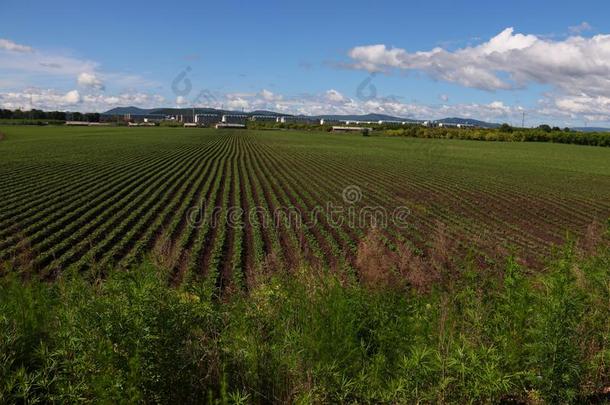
(181, 101)
(506, 61)
(41, 99)
(90, 80)
(325, 102)
(269, 96)
(11, 46)
(238, 103)
(334, 96)
(443, 97)
(580, 28)
(334, 102)
(72, 97)
(36, 67)
(100, 103)
(49, 99)
(576, 68)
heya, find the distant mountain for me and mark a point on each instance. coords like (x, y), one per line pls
(128, 110)
(469, 121)
(264, 112)
(346, 117)
(590, 129)
(366, 117)
(161, 111)
(189, 111)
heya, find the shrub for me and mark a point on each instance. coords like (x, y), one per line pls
(474, 336)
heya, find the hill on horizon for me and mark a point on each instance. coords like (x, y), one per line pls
(347, 117)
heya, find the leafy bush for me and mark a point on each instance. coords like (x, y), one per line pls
(504, 133)
(311, 336)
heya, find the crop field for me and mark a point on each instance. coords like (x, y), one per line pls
(215, 205)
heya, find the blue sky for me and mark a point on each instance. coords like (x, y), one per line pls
(311, 57)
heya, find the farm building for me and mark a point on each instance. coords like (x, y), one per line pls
(223, 125)
(359, 122)
(234, 119)
(141, 124)
(325, 121)
(264, 118)
(388, 122)
(143, 117)
(297, 119)
(454, 125)
(207, 119)
(85, 123)
(364, 130)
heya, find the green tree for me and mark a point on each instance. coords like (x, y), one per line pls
(545, 128)
(506, 128)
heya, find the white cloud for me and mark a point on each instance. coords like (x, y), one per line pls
(580, 28)
(269, 96)
(11, 46)
(334, 96)
(334, 102)
(40, 99)
(576, 68)
(443, 97)
(239, 103)
(48, 99)
(507, 61)
(90, 80)
(72, 97)
(36, 67)
(101, 103)
(550, 110)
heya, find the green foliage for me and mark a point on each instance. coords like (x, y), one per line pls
(506, 133)
(545, 128)
(506, 128)
(310, 338)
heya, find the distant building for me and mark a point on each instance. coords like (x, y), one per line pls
(391, 122)
(350, 122)
(207, 119)
(264, 118)
(325, 121)
(86, 124)
(143, 117)
(234, 119)
(448, 125)
(297, 119)
(222, 125)
(364, 130)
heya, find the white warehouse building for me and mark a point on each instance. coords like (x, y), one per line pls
(207, 119)
(234, 119)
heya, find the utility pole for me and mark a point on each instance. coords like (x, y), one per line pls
(523, 120)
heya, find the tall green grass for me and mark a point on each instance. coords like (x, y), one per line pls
(312, 337)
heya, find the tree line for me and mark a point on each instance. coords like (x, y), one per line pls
(40, 115)
(506, 133)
